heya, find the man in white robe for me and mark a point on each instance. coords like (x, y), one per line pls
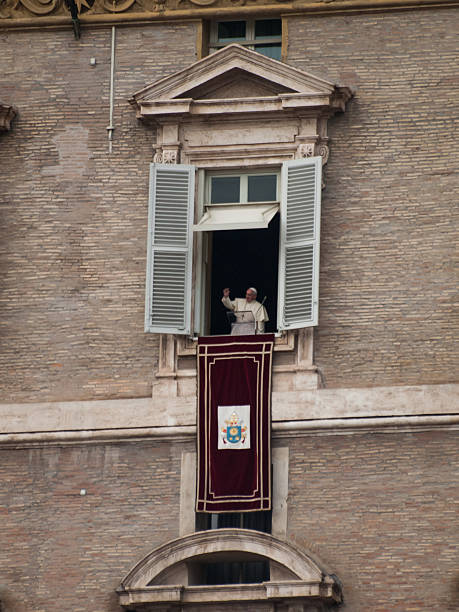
(248, 304)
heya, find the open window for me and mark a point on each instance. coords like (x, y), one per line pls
(243, 125)
(239, 230)
(250, 227)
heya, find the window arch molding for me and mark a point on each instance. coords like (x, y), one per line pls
(296, 577)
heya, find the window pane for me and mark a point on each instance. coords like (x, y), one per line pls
(262, 188)
(254, 572)
(273, 51)
(224, 189)
(260, 521)
(229, 519)
(231, 30)
(268, 27)
(236, 572)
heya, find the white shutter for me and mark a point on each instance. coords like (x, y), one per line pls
(299, 243)
(170, 246)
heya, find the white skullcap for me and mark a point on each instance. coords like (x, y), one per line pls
(253, 290)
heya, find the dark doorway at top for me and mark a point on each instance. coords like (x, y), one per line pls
(242, 259)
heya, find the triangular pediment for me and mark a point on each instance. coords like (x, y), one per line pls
(234, 72)
(235, 83)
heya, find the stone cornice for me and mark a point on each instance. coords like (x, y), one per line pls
(332, 404)
(41, 13)
(280, 430)
(319, 412)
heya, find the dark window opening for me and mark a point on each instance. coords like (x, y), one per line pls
(242, 259)
(272, 50)
(258, 521)
(231, 31)
(237, 572)
(268, 27)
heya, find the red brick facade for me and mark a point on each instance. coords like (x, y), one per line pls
(74, 218)
(74, 225)
(389, 213)
(381, 510)
(378, 509)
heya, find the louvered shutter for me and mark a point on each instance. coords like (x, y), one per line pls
(299, 243)
(170, 244)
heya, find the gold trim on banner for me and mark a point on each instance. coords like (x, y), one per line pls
(259, 408)
(258, 357)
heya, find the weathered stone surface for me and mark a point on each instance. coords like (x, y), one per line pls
(174, 414)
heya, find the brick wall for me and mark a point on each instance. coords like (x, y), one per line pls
(378, 509)
(381, 511)
(73, 230)
(73, 218)
(390, 214)
(63, 551)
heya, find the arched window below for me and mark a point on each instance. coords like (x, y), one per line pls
(225, 567)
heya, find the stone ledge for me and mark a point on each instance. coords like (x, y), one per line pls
(292, 592)
(286, 429)
(144, 417)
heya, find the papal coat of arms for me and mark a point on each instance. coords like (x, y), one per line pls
(234, 427)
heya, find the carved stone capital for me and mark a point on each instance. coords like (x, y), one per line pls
(166, 156)
(305, 150)
(171, 156)
(38, 7)
(311, 149)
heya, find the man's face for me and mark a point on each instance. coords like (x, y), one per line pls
(250, 295)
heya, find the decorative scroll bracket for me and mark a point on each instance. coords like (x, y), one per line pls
(7, 114)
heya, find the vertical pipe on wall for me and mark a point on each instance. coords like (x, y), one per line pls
(111, 127)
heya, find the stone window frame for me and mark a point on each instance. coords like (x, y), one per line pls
(166, 577)
(177, 105)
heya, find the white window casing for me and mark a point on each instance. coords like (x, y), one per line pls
(299, 243)
(236, 217)
(170, 248)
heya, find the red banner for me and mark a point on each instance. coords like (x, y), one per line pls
(234, 423)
